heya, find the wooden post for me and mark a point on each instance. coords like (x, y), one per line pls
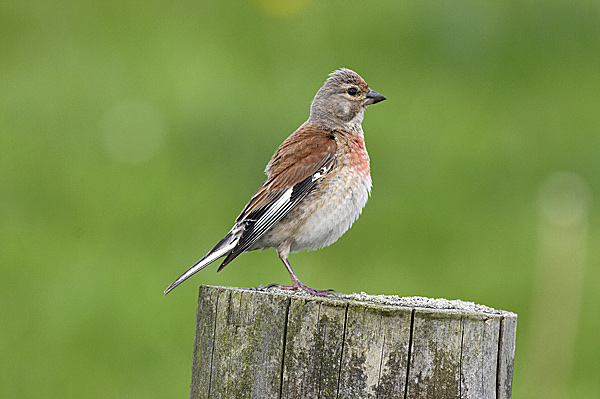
(276, 344)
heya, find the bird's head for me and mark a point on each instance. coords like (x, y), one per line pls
(342, 100)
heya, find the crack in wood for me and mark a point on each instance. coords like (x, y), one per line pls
(337, 394)
(285, 329)
(410, 345)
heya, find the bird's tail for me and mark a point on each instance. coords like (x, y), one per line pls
(223, 248)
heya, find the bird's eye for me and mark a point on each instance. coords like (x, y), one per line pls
(352, 91)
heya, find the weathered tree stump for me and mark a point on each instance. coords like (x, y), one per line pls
(276, 344)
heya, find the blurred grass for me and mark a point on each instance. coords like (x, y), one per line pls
(132, 134)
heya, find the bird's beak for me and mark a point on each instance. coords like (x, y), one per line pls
(374, 97)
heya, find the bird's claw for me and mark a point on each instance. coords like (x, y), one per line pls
(299, 286)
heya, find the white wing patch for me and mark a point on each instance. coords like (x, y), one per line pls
(320, 173)
(273, 209)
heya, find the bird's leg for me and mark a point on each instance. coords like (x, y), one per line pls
(283, 251)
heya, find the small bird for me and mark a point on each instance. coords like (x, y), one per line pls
(318, 182)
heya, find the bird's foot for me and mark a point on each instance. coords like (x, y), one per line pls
(299, 286)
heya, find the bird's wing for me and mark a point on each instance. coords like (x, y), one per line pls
(293, 172)
(295, 169)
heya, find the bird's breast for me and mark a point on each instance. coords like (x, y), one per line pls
(329, 211)
(359, 158)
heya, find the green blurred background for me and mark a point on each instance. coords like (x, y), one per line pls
(133, 133)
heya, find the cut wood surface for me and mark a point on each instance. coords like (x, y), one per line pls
(256, 343)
